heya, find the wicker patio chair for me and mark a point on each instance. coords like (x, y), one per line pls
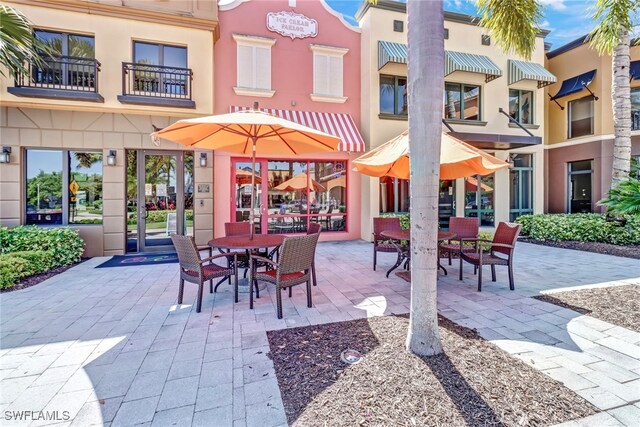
(314, 228)
(380, 244)
(500, 252)
(194, 269)
(465, 228)
(293, 268)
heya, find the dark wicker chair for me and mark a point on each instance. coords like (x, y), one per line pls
(500, 252)
(314, 228)
(193, 269)
(465, 228)
(380, 244)
(237, 228)
(293, 268)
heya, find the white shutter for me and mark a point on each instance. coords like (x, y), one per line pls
(335, 76)
(262, 68)
(245, 66)
(320, 74)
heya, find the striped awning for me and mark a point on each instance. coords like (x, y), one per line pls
(454, 61)
(391, 52)
(471, 63)
(336, 124)
(522, 70)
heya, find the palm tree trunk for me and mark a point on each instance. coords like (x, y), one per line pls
(426, 85)
(620, 92)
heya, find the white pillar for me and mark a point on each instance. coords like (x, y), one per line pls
(501, 192)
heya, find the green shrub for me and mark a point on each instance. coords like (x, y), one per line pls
(64, 244)
(405, 219)
(590, 227)
(157, 216)
(11, 269)
(16, 265)
(39, 261)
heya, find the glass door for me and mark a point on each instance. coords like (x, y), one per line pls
(446, 202)
(159, 188)
(580, 187)
(520, 179)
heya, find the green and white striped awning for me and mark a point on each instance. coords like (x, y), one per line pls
(471, 63)
(521, 70)
(454, 61)
(391, 52)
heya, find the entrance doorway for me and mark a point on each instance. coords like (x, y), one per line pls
(521, 182)
(159, 198)
(580, 186)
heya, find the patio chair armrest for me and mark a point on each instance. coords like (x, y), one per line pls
(205, 248)
(467, 239)
(224, 255)
(263, 259)
(501, 245)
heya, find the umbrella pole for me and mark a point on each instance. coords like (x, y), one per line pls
(253, 189)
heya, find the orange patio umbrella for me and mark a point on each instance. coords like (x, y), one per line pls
(299, 182)
(244, 177)
(457, 159)
(249, 132)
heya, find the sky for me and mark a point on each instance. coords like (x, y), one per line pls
(566, 19)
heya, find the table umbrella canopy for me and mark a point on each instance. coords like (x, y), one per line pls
(299, 182)
(235, 132)
(249, 132)
(457, 159)
(244, 177)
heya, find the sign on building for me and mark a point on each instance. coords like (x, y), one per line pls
(290, 24)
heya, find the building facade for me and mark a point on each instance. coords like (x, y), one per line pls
(300, 60)
(493, 100)
(78, 127)
(579, 149)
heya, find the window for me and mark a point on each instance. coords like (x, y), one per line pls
(393, 95)
(160, 69)
(63, 187)
(66, 68)
(327, 73)
(635, 108)
(478, 197)
(254, 65)
(398, 26)
(486, 40)
(461, 102)
(521, 106)
(521, 182)
(580, 186)
(581, 117)
(446, 34)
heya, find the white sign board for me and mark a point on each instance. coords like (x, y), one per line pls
(148, 189)
(290, 24)
(161, 190)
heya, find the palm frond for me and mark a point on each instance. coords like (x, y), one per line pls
(513, 23)
(612, 17)
(624, 199)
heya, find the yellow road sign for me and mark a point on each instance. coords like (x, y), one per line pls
(74, 187)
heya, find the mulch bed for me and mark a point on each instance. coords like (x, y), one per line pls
(619, 305)
(29, 281)
(628, 251)
(472, 383)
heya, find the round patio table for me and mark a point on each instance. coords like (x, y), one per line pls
(259, 241)
(404, 255)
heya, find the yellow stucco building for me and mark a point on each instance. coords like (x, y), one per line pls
(78, 128)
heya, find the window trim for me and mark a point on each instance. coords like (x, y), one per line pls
(65, 183)
(592, 111)
(328, 51)
(462, 120)
(253, 42)
(395, 114)
(532, 112)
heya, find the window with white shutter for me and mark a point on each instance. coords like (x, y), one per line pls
(253, 65)
(328, 72)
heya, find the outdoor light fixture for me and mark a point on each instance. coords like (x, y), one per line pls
(5, 156)
(203, 160)
(111, 158)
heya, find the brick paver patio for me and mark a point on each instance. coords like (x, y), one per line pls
(110, 346)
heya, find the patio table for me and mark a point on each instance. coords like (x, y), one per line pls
(259, 241)
(404, 255)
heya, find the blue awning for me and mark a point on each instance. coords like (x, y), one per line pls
(575, 84)
(634, 70)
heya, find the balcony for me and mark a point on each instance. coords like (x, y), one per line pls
(156, 85)
(63, 77)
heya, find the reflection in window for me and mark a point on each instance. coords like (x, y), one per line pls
(44, 187)
(521, 182)
(155, 79)
(85, 187)
(521, 106)
(635, 108)
(393, 95)
(66, 67)
(461, 101)
(478, 196)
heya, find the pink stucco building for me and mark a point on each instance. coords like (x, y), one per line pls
(301, 60)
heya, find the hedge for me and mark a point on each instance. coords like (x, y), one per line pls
(157, 216)
(28, 250)
(588, 227)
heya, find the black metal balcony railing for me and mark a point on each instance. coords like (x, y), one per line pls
(63, 73)
(156, 81)
(635, 120)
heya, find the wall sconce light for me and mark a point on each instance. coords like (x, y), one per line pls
(203, 160)
(512, 160)
(5, 156)
(111, 158)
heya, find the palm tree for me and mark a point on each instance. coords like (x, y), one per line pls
(18, 46)
(611, 37)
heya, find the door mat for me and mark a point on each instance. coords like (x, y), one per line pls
(139, 259)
